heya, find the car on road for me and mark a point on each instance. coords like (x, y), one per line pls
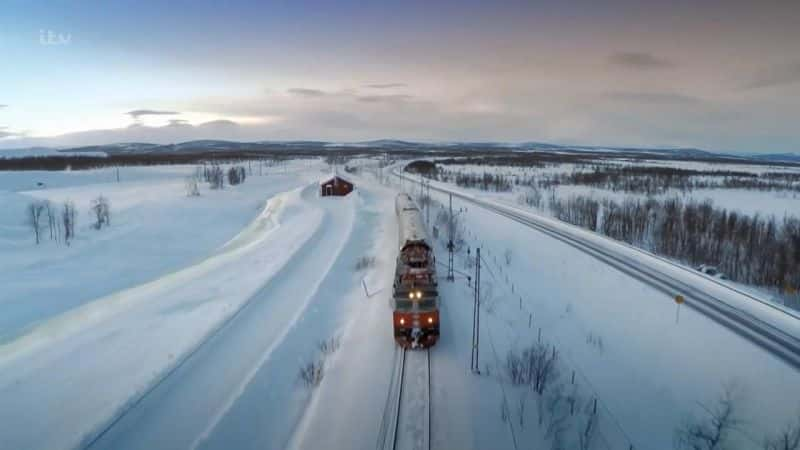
(711, 271)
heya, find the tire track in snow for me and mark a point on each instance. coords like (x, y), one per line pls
(211, 375)
(245, 382)
(254, 234)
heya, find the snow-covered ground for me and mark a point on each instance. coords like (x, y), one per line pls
(156, 229)
(647, 369)
(186, 327)
(778, 204)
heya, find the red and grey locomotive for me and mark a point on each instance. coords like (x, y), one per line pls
(415, 294)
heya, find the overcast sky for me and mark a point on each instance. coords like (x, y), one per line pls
(716, 74)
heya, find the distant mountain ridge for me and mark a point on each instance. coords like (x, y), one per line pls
(209, 145)
(778, 157)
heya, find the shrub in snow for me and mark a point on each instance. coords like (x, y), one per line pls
(365, 262)
(787, 439)
(328, 347)
(535, 366)
(712, 429)
(101, 210)
(312, 373)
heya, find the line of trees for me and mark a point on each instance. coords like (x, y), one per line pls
(486, 181)
(215, 176)
(635, 179)
(60, 223)
(656, 180)
(755, 249)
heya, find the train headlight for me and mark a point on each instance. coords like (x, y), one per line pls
(402, 321)
(411, 295)
(430, 319)
(419, 294)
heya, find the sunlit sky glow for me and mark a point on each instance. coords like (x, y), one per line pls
(715, 74)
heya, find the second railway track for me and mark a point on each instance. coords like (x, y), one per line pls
(406, 423)
(765, 335)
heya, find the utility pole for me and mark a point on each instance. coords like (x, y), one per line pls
(428, 204)
(476, 314)
(450, 246)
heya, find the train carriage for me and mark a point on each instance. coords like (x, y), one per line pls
(415, 294)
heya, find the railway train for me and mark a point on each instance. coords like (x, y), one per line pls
(415, 293)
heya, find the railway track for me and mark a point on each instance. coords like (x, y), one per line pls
(768, 337)
(406, 423)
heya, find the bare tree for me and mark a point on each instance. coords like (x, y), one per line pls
(52, 224)
(68, 220)
(553, 407)
(712, 430)
(34, 216)
(193, 183)
(215, 177)
(236, 175)
(786, 439)
(587, 431)
(101, 209)
(535, 366)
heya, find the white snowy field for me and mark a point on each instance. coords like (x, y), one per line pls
(778, 203)
(156, 229)
(203, 351)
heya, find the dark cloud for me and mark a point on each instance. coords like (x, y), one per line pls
(386, 85)
(654, 98)
(222, 123)
(384, 98)
(776, 76)
(639, 60)
(305, 92)
(136, 113)
(178, 123)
